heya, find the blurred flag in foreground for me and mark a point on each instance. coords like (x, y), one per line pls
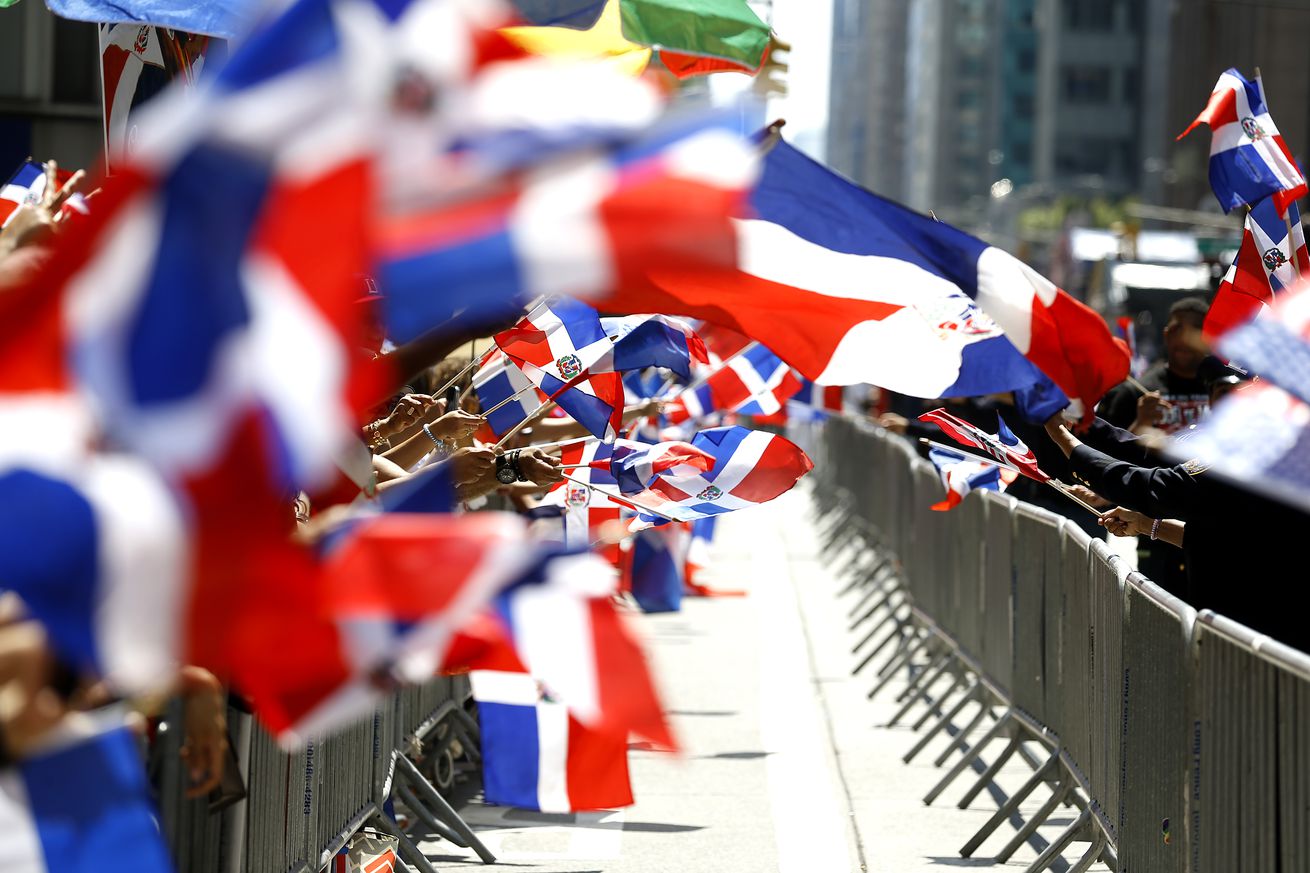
(1248, 159)
(1268, 261)
(81, 803)
(1004, 446)
(223, 18)
(1277, 345)
(536, 755)
(750, 468)
(961, 474)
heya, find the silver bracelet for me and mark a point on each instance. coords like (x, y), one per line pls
(1155, 528)
(441, 448)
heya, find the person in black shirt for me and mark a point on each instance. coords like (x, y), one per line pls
(1179, 395)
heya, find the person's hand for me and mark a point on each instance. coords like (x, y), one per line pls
(33, 223)
(1125, 522)
(1088, 496)
(473, 465)
(540, 467)
(204, 729)
(897, 424)
(29, 707)
(408, 411)
(456, 425)
(1150, 409)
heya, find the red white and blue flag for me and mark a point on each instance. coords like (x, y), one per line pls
(963, 473)
(576, 227)
(1268, 261)
(587, 510)
(26, 185)
(658, 570)
(1248, 159)
(1276, 345)
(652, 341)
(865, 290)
(537, 755)
(754, 381)
(635, 466)
(750, 468)
(80, 803)
(1004, 446)
(499, 380)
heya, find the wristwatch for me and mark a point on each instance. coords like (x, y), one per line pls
(504, 471)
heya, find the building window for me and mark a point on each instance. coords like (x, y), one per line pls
(1090, 14)
(1023, 105)
(1086, 84)
(1027, 60)
(1131, 86)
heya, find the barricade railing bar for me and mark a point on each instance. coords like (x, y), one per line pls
(1182, 741)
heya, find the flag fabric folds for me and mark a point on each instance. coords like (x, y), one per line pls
(495, 383)
(222, 18)
(754, 381)
(635, 466)
(564, 13)
(81, 803)
(1248, 159)
(1266, 263)
(961, 474)
(750, 468)
(698, 36)
(658, 572)
(587, 510)
(535, 755)
(865, 290)
(652, 341)
(1004, 446)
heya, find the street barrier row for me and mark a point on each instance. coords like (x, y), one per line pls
(1182, 740)
(301, 807)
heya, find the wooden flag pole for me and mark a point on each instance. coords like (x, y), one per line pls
(1064, 489)
(619, 498)
(474, 363)
(536, 413)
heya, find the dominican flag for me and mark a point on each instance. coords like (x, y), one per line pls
(80, 803)
(26, 185)
(562, 623)
(816, 402)
(754, 381)
(536, 755)
(1267, 262)
(962, 473)
(1277, 345)
(635, 466)
(1248, 159)
(865, 290)
(586, 511)
(698, 552)
(750, 468)
(642, 341)
(579, 226)
(495, 383)
(1004, 446)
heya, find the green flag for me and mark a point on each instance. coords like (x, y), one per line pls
(722, 29)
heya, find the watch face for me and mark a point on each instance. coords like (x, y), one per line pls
(505, 475)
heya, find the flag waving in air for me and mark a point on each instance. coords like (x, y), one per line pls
(635, 466)
(1248, 159)
(750, 467)
(1268, 261)
(1004, 446)
(866, 290)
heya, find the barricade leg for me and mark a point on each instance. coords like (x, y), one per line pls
(935, 707)
(1031, 825)
(899, 621)
(922, 684)
(969, 756)
(425, 815)
(961, 740)
(878, 584)
(442, 809)
(990, 773)
(887, 592)
(1093, 854)
(969, 694)
(408, 851)
(1009, 807)
(902, 659)
(1056, 849)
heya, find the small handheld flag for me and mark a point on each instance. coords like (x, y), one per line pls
(1004, 446)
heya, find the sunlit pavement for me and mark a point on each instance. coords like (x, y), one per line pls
(786, 766)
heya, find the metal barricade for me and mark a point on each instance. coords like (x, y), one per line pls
(1185, 739)
(301, 805)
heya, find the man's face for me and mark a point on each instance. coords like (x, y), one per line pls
(1181, 349)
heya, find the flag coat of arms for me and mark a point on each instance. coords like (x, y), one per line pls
(26, 185)
(1268, 261)
(587, 510)
(1248, 159)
